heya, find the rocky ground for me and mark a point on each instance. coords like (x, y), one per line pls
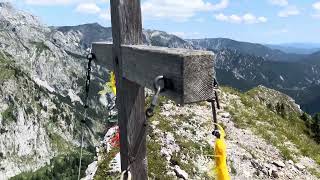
(180, 144)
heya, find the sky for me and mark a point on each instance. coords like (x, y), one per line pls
(259, 21)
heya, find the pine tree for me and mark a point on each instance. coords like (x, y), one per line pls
(316, 127)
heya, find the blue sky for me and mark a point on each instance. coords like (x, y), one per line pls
(261, 21)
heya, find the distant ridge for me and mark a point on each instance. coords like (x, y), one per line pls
(293, 48)
(246, 48)
(242, 65)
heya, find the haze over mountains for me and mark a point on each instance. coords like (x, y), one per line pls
(298, 48)
(242, 65)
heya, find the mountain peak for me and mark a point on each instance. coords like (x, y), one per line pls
(10, 15)
(6, 5)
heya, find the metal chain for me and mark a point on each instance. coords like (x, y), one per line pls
(215, 104)
(90, 57)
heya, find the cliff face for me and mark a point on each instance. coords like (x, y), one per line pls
(42, 74)
(31, 123)
(45, 54)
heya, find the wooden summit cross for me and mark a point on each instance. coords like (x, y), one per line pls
(189, 73)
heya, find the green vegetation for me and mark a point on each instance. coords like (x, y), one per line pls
(233, 169)
(40, 47)
(8, 115)
(315, 172)
(156, 163)
(315, 126)
(6, 72)
(188, 148)
(65, 165)
(281, 126)
(61, 167)
(59, 144)
(102, 172)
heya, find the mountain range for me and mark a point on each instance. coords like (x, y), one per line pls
(297, 48)
(242, 65)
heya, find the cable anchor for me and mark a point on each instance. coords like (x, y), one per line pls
(159, 89)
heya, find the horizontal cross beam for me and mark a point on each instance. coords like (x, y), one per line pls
(190, 72)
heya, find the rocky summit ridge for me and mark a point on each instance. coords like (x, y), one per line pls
(180, 143)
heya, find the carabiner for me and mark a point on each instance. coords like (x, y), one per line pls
(158, 89)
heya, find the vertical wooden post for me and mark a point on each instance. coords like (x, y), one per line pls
(127, 29)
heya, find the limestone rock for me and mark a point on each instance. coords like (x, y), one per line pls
(279, 163)
(300, 166)
(274, 174)
(180, 173)
(91, 170)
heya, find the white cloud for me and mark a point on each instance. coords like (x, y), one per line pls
(221, 5)
(187, 35)
(105, 15)
(235, 18)
(221, 17)
(289, 11)
(179, 34)
(88, 8)
(49, 2)
(92, 8)
(279, 2)
(179, 10)
(316, 5)
(246, 18)
(61, 2)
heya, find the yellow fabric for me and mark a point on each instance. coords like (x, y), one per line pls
(112, 83)
(105, 90)
(220, 153)
(109, 87)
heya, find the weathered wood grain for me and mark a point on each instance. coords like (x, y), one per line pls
(191, 72)
(127, 29)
